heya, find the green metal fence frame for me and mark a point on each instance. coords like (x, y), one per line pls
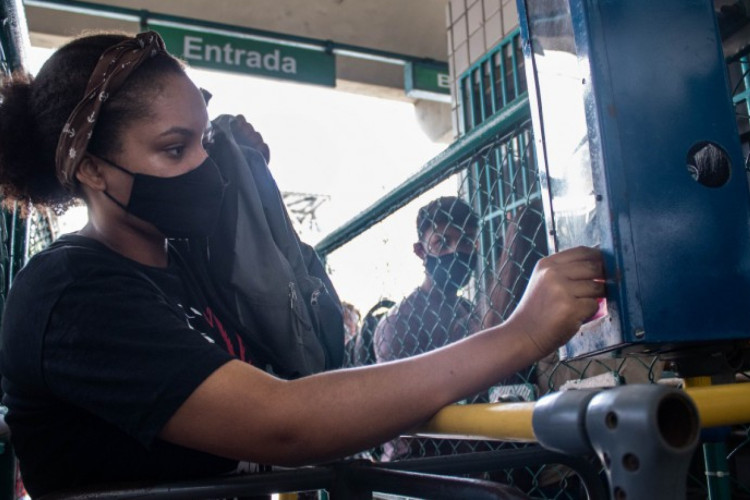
(14, 46)
(487, 87)
(432, 173)
(493, 82)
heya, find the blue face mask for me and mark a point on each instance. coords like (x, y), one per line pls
(183, 206)
(451, 271)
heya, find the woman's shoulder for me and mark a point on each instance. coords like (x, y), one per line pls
(69, 259)
(73, 254)
(34, 293)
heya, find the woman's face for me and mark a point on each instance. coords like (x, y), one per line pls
(166, 143)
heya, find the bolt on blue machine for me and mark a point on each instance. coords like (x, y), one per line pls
(639, 152)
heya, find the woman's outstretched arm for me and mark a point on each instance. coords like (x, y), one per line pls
(244, 413)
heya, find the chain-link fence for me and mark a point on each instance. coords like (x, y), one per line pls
(478, 250)
(42, 230)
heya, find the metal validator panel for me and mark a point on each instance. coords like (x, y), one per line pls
(639, 154)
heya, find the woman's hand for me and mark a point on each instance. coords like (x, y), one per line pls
(246, 135)
(561, 295)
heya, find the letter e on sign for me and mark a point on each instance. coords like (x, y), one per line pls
(191, 48)
(444, 80)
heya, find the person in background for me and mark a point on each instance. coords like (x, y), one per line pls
(351, 331)
(115, 366)
(351, 322)
(434, 314)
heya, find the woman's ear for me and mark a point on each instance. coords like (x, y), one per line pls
(89, 174)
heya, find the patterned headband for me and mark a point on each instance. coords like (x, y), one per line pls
(114, 66)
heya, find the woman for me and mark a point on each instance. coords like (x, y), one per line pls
(115, 367)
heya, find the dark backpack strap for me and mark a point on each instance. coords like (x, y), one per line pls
(363, 349)
(191, 256)
(325, 309)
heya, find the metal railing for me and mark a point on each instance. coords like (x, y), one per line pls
(494, 170)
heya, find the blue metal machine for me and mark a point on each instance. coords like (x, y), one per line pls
(639, 152)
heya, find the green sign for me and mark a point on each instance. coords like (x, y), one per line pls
(427, 81)
(237, 54)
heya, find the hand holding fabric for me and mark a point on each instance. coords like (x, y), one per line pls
(246, 135)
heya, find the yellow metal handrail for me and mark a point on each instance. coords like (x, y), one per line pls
(718, 405)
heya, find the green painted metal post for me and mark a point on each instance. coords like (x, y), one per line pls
(717, 471)
(432, 173)
(745, 66)
(15, 44)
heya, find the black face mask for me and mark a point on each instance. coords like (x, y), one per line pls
(452, 270)
(183, 206)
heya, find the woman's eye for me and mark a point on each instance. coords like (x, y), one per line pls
(175, 151)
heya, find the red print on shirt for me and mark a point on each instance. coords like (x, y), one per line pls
(215, 322)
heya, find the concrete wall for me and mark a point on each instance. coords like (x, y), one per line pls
(474, 27)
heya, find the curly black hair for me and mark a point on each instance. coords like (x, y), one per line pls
(33, 111)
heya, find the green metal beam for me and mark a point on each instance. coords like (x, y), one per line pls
(143, 16)
(432, 173)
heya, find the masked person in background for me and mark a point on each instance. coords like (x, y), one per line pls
(434, 314)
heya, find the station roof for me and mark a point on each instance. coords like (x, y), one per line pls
(410, 27)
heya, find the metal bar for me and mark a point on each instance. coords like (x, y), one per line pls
(720, 405)
(14, 34)
(414, 484)
(12, 255)
(745, 94)
(432, 173)
(717, 406)
(493, 81)
(503, 83)
(512, 170)
(499, 162)
(465, 122)
(501, 421)
(27, 237)
(522, 158)
(513, 52)
(527, 456)
(474, 121)
(494, 211)
(488, 235)
(139, 15)
(482, 92)
(302, 479)
(717, 471)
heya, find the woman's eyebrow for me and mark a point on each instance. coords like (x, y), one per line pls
(178, 130)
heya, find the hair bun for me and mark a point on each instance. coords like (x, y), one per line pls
(23, 177)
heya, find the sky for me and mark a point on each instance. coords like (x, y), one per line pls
(349, 147)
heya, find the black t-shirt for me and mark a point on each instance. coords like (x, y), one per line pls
(98, 352)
